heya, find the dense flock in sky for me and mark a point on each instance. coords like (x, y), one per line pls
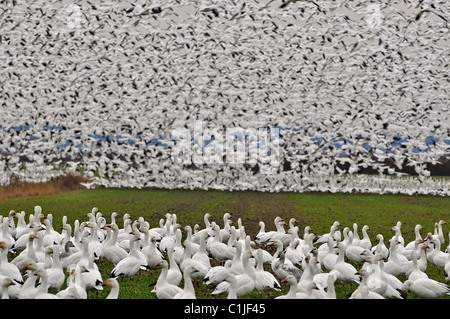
(104, 88)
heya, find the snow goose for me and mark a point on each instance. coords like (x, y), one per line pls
(306, 284)
(346, 271)
(8, 269)
(293, 254)
(164, 289)
(265, 281)
(353, 252)
(42, 289)
(21, 227)
(75, 286)
(21, 260)
(190, 236)
(394, 263)
(201, 254)
(398, 233)
(282, 266)
(245, 282)
(174, 274)
(438, 233)
(426, 288)
(365, 241)
(188, 291)
(5, 284)
(438, 257)
(415, 272)
(114, 287)
(291, 281)
(51, 236)
(280, 233)
(422, 262)
(363, 291)
(187, 261)
(418, 237)
(225, 231)
(111, 250)
(5, 234)
(328, 260)
(130, 265)
(217, 274)
(356, 238)
(334, 232)
(380, 247)
(217, 248)
(267, 257)
(29, 290)
(55, 274)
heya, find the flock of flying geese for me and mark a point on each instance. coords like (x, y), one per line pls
(36, 258)
(98, 86)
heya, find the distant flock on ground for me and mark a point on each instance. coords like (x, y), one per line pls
(37, 261)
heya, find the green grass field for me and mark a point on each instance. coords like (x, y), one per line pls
(318, 210)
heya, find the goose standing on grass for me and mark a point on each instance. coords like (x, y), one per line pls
(398, 233)
(265, 282)
(111, 250)
(75, 287)
(55, 273)
(130, 265)
(418, 238)
(114, 287)
(8, 269)
(438, 233)
(353, 252)
(422, 261)
(245, 282)
(328, 258)
(188, 291)
(186, 261)
(5, 284)
(394, 263)
(415, 272)
(174, 274)
(217, 248)
(217, 274)
(346, 271)
(365, 241)
(334, 232)
(291, 281)
(26, 256)
(426, 288)
(42, 289)
(164, 289)
(380, 247)
(281, 266)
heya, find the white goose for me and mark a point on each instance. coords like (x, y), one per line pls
(426, 288)
(174, 274)
(217, 274)
(217, 248)
(438, 233)
(111, 250)
(188, 291)
(265, 281)
(8, 269)
(164, 289)
(5, 284)
(130, 265)
(281, 266)
(114, 287)
(55, 274)
(245, 282)
(346, 271)
(418, 238)
(365, 241)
